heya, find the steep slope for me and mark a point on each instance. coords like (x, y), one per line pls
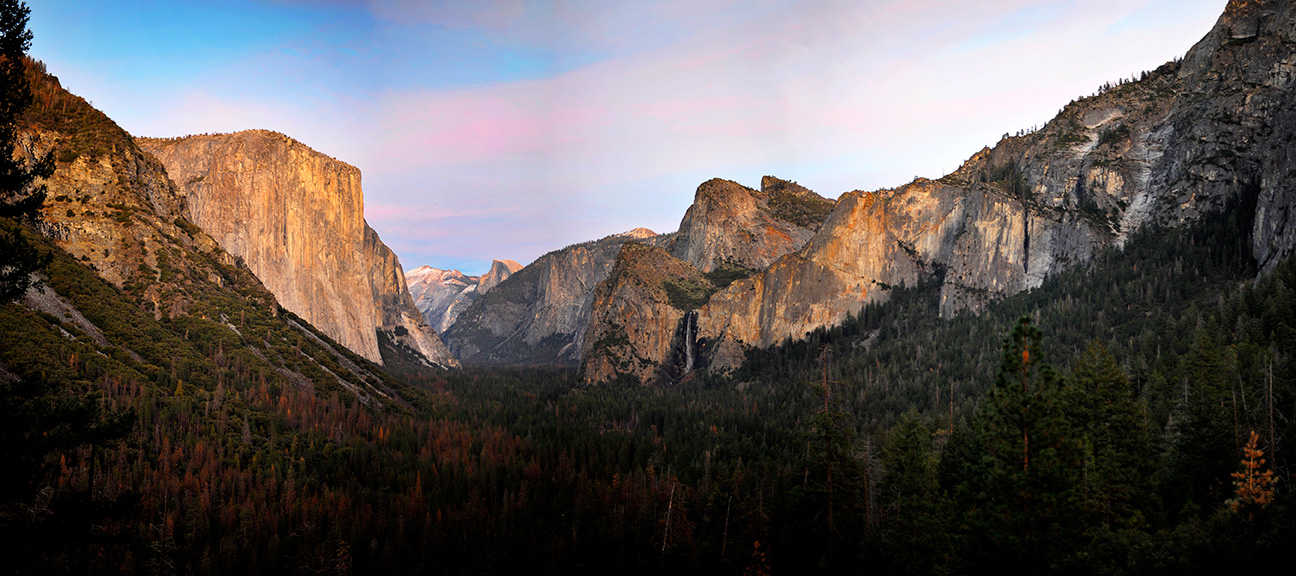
(1179, 143)
(136, 285)
(640, 315)
(729, 232)
(442, 294)
(296, 217)
(539, 314)
(499, 271)
(403, 336)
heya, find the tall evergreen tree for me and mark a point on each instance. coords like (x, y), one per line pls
(1023, 496)
(1109, 422)
(1205, 449)
(915, 532)
(20, 198)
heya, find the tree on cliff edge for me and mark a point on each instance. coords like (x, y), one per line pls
(20, 199)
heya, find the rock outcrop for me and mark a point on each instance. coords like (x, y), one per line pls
(442, 294)
(296, 217)
(641, 325)
(112, 207)
(402, 324)
(1172, 147)
(499, 271)
(539, 314)
(731, 225)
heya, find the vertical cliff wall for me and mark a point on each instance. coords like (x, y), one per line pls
(637, 316)
(113, 208)
(1174, 146)
(643, 319)
(539, 314)
(296, 217)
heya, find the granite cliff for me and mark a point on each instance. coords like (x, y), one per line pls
(643, 322)
(1175, 145)
(538, 315)
(113, 212)
(442, 294)
(641, 314)
(296, 217)
(731, 225)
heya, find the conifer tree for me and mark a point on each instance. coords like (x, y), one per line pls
(915, 533)
(1023, 490)
(1253, 485)
(1117, 472)
(20, 199)
(1204, 447)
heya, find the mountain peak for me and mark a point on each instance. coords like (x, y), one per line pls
(638, 233)
(422, 271)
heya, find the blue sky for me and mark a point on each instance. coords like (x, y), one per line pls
(507, 128)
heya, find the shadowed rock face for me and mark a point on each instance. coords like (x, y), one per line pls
(499, 271)
(442, 294)
(1168, 149)
(400, 321)
(539, 314)
(296, 217)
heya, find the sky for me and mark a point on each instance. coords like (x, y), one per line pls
(497, 129)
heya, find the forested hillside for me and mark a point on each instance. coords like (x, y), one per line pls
(162, 413)
(179, 450)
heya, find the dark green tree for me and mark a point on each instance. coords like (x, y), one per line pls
(1119, 458)
(1024, 503)
(834, 495)
(20, 197)
(1205, 448)
(915, 535)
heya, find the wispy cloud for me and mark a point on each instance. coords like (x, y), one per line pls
(506, 128)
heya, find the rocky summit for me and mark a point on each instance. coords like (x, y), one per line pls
(296, 217)
(1179, 143)
(643, 324)
(639, 317)
(442, 294)
(730, 225)
(538, 315)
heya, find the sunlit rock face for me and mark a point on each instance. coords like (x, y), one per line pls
(730, 224)
(1175, 146)
(637, 319)
(643, 322)
(538, 315)
(111, 205)
(442, 294)
(296, 217)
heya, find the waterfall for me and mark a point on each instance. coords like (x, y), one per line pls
(690, 334)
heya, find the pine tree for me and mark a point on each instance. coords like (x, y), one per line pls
(20, 199)
(1022, 492)
(915, 531)
(834, 479)
(1204, 450)
(1252, 486)
(1110, 425)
